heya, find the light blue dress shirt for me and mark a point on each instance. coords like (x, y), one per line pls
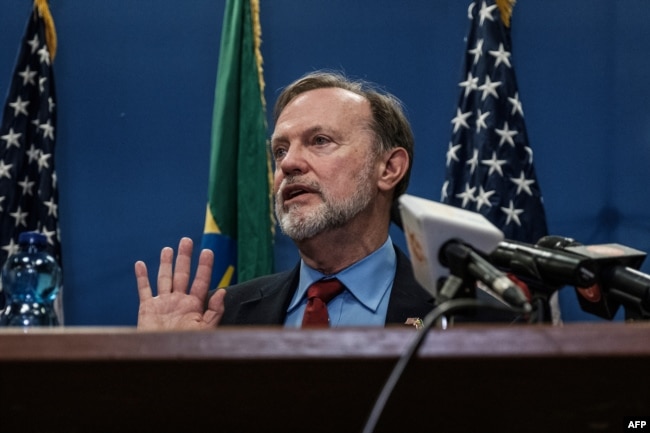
(365, 300)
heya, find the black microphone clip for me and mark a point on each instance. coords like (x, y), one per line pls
(618, 282)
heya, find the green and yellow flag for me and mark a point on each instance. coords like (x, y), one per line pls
(239, 220)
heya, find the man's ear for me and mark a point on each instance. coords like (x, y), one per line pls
(395, 164)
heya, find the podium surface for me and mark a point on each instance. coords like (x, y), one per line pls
(578, 377)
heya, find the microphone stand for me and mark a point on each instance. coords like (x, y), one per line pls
(459, 284)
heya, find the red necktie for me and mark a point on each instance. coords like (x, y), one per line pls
(318, 295)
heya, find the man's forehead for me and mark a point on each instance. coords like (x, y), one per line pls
(331, 93)
(324, 102)
(328, 98)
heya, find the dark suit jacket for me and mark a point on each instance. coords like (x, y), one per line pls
(264, 300)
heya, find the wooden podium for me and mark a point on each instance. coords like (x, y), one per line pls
(524, 378)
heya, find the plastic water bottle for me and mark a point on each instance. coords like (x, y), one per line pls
(31, 280)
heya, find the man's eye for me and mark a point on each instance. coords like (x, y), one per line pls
(321, 140)
(279, 153)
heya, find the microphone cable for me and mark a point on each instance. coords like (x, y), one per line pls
(430, 319)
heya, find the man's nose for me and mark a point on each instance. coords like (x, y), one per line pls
(294, 161)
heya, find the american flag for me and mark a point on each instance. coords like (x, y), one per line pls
(489, 161)
(28, 187)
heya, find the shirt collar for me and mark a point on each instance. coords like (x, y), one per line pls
(367, 280)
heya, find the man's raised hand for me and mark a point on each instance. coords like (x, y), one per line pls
(174, 308)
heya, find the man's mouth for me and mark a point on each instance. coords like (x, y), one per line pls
(292, 191)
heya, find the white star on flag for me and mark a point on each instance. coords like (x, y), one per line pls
(490, 163)
(28, 192)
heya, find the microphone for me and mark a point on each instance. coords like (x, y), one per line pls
(618, 282)
(457, 254)
(442, 237)
(551, 267)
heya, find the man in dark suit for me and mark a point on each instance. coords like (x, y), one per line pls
(342, 153)
(265, 300)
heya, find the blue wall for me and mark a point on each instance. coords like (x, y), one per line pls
(135, 82)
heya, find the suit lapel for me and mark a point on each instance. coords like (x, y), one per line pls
(407, 298)
(269, 305)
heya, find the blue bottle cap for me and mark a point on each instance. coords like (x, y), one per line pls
(32, 238)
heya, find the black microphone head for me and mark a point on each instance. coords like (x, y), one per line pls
(617, 281)
(593, 299)
(612, 260)
(608, 254)
(557, 242)
(551, 266)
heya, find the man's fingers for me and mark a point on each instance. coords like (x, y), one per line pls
(165, 271)
(181, 278)
(181, 309)
(201, 283)
(215, 310)
(142, 280)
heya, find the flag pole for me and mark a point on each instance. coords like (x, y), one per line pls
(50, 30)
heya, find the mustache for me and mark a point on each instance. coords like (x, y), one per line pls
(289, 181)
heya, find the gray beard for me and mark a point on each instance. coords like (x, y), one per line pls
(329, 214)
